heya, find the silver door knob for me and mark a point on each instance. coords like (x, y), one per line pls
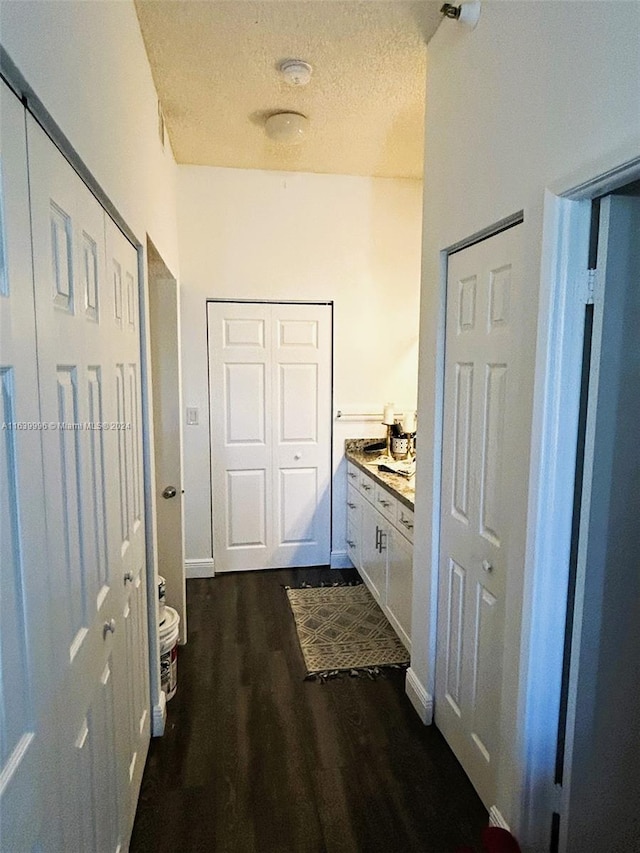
(110, 627)
(128, 577)
(486, 566)
(297, 456)
(170, 492)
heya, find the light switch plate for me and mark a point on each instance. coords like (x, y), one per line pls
(192, 416)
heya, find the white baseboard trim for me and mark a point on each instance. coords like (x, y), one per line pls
(419, 697)
(159, 717)
(496, 819)
(199, 568)
(340, 560)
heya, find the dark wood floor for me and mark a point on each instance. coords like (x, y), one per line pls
(254, 758)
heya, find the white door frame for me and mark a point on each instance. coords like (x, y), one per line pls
(563, 294)
(557, 381)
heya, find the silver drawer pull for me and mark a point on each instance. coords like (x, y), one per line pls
(366, 488)
(385, 504)
(352, 475)
(407, 524)
(486, 566)
(350, 505)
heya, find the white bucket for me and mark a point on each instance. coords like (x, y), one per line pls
(168, 636)
(162, 599)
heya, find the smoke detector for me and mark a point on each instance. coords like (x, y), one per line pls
(296, 72)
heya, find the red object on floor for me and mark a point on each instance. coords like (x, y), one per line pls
(497, 840)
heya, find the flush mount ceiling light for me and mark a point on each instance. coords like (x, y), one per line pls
(296, 72)
(286, 128)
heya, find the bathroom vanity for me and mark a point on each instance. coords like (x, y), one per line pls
(380, 533)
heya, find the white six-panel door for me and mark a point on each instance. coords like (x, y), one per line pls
(86, 298)
(127, 533)
(28, 783)
(74, 719)
(484, 439)
(270, 404)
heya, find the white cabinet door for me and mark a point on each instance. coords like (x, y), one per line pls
(270, 404)
(485, 445)
(373, 553)
(29, 811)
(400, 584)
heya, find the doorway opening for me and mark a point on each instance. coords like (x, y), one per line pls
(590, 231)
(164, 338)
(600, 720)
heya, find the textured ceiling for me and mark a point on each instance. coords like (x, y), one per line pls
(215, 66)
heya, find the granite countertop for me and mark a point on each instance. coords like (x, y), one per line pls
(402, 488)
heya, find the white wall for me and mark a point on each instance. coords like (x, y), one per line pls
(540, 95)
(87, 63)
(274, 235)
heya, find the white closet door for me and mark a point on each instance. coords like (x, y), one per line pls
(241, 434)
(71, 311)
(301, 455)
(88, 354)
(28, 779)
(483, 508)
(270, 398)
(127, 542)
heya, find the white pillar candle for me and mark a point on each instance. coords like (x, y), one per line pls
(409, 422)
(388, 416)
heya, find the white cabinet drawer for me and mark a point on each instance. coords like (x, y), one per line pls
(385, 503)
(367, 487)
(354, 544)
(354, 507)
(405, 521)
(353, 475)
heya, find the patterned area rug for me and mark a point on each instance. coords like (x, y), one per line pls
(341, 628)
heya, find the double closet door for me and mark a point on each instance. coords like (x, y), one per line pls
(270, 417)
(74, 707)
